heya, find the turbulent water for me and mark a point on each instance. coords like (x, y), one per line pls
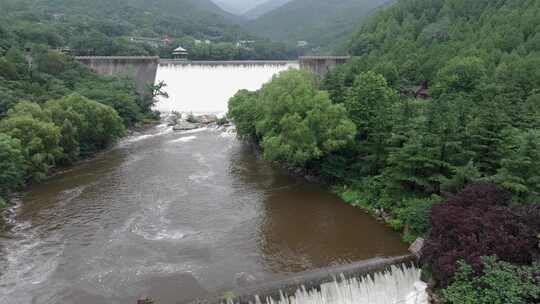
(399, 285)
(174, 216)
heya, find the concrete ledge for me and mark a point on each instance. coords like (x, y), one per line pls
(311, 279)
(150, 58)
(324, 57)
(321, 65)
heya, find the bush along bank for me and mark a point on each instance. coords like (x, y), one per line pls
(55, 112)
(416, 164)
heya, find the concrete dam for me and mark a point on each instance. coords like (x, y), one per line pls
(143, 70)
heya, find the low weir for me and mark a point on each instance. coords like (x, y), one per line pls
(382, 280)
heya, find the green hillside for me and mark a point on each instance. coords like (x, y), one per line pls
(264, 8)
(420, 37)
(100, 27)
(321, 23)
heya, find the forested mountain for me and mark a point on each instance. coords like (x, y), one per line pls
(421, 37)
(134, 27)
(319, 22)
(156, 17)
(103, 27)
(264, 8)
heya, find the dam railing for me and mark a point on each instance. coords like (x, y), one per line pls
(228, 62)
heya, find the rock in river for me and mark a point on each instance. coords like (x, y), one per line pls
(184, 126)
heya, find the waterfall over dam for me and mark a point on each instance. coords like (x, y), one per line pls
(206, 86)
(237, 75)
(399, 285)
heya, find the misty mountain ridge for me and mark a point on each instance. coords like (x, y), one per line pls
(321, 23)
(264, 8)
(239, 7)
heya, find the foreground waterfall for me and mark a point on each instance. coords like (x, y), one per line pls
(399, 285)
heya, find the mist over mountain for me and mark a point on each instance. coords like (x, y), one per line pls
(264, 8)
(239, 7)
(321, 23)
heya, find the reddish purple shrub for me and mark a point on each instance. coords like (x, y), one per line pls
(476, 222)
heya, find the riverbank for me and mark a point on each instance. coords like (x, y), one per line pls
(53, 171)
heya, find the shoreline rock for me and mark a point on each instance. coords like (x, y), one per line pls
(186, 126)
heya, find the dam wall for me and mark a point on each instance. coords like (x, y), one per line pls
(142, 70)
(321, 65)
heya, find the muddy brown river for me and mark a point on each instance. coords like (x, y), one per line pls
(174, 216)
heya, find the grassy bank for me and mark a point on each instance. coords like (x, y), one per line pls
(410, 217)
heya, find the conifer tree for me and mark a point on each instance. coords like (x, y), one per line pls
(370, 104)
(520, 166)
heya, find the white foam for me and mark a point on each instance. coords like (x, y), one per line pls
(184, 139)
(227, 135)
(199, 130)
(162, 130)
(400, 285)
(26, 263)
(161, 235)
(200, 177)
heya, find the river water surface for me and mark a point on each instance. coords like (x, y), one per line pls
(174, 216)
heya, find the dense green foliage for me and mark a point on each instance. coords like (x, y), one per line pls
(11, 166)
(250, 50)
(323, 24)
(54, 111)
(293, 121)
(500, 283)
(59, 132)
(103, 26)
(42, 74)
(454, 42)
(481, 121)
